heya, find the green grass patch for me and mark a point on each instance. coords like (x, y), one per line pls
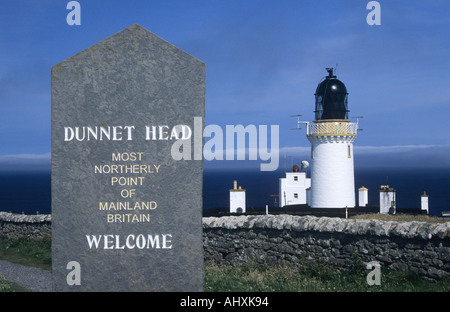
(29, 252)
(310, 277)
(7, 286)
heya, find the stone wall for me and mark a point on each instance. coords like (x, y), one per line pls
(416, 246)
(274, 239)
(14, 226)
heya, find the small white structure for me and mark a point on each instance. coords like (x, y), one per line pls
(293, 188)
(424, 202)
(237, 199)
(363, 196)
(387, 200)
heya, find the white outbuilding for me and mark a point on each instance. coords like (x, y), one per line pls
(387, 200)
(363, 196)
(292, 188)
(237, 199)
(424, 202)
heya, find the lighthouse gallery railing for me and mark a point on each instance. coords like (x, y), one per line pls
(332, 128)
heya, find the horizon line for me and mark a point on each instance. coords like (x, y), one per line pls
(361, 148)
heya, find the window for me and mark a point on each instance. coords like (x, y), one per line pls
(295, 178)
(296, 195)
(349, 151)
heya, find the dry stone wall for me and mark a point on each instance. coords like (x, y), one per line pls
(420, 247)
(14, 226)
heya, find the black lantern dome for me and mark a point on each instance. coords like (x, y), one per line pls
(331, 98)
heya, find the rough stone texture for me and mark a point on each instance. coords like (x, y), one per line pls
(33, 279)
(14, 217)
(13, 226)
(417, 246)
(132, 78)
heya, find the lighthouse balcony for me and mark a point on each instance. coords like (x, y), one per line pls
(332, 128)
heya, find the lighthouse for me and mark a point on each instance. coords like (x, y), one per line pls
(332, 135)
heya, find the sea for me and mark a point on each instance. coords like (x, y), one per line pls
(262, 187)
(30, 192)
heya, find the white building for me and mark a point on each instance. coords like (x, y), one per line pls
(363, 196)
(292, 188)
(237, 199)
(332, 136)
(387, 200)
(424, 202)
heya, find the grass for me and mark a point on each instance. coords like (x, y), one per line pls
(7, 286)
(29, 252)
(310, 277)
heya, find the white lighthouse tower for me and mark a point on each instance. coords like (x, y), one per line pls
(332, 136)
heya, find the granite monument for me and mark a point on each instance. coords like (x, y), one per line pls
(126, 184)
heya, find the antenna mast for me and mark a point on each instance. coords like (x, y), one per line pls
(298, 122)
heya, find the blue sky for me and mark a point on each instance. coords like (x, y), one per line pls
(263, 59)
